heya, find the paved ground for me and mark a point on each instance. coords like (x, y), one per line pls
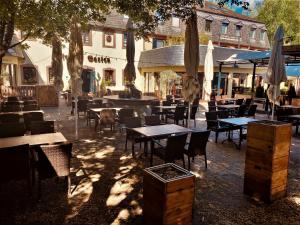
(107, 185)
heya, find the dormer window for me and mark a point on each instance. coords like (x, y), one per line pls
(208, 26)
(252, 33)
(238, 29)
(224, 28)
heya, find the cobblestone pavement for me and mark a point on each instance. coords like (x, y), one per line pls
(107, 184)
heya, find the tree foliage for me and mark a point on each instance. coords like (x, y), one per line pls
(276, 12)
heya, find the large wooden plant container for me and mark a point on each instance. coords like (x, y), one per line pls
(267, 158)
(168, 195)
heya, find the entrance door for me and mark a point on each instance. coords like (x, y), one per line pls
(88, 78)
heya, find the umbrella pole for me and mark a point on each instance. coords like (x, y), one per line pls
(76, 117)
(274, 99)
(189, 116)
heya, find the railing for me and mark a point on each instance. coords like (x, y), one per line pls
(21, 91)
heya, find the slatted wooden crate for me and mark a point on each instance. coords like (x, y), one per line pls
(168, 200)
(267, 158)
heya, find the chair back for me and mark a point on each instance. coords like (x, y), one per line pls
(223, 114)
(169, 98)
(239, 101)
(211, 120)
(30, 102)
(212, 108)
(252, 110)
(133, 122)
(175, 147)
(108, 116)
(198, 141)
(167, 103)
(154, 110)
(11, 108)
(10, 118)
(42, 127)
(82, 105)
(211, 103)
(98, 102)
(152, 120)
(241, 111)
(54, 160)
(12, 99)
(12, 129)
(193, 113)
(124, 114)
(31, 107)
(14, 163)
(179, 112)
(248, 101)
(32, 116)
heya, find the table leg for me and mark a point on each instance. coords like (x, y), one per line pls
(151, 154)
(240, 140)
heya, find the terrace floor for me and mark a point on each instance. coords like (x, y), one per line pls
(107, 184)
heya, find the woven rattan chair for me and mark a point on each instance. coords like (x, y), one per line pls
(132, 136)
(90, 114)
(15, 164)
(177, 115)
(32, 116)
(193, 113)
(9, 118)
(31, 107)
(152, 120)
(53, 161)
(106, 117)
(42, 127)
(197, 146)
(12, 130)
(11, 108)
(12, 99)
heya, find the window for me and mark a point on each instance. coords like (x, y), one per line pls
(224, 28)
(29, 74)
(208, 26)
(87, 38)
(109, 77)
(158, 43)
(262, 35)
(238, 29)
(50, 75)
(124, 40)
(109, 39)
(175, 22)
(252, 33)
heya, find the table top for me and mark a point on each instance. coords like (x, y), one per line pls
(143, 98)
(21, 112)
(239, 121)
(291, 106)
(36, 139)
(97, 110)
(297, 116)
(161, 130)
(230, 106)
(166, 106)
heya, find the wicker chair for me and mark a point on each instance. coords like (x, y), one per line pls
(90, 114)
(177, 115)
(15, 164)
(31, 107)
(106, 117)
(12, 99)
(173, 150)
(32, 116)
(124, 114)
(53, 161)
(42, 127)
(239, 101)
(251, 112)
(152, 120)
(12, 130)
(11, 108)
(82, 106)
(10, 118)
(134, 137)
(193, 113)
(197, 146)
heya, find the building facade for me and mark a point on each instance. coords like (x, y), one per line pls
(105, 49)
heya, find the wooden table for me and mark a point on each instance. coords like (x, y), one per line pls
(238, 122)
(166, 107)
(98, 110)
(228, 107)
(32, 140)
(152, 132)
(297, 118)
(21, 113)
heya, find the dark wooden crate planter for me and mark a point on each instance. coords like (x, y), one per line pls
(168, 199)
(267, 158)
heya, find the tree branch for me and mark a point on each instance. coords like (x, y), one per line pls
(20, 42)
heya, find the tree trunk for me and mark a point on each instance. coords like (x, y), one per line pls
(57, 64)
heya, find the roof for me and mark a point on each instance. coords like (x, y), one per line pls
(15, 51)
(212, 8)
(174, 56)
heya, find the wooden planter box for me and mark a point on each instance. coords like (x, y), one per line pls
(168, 195)
(267, 158)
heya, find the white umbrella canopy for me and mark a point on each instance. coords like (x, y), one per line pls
(276, 68)
(190, 86)
(208, 71)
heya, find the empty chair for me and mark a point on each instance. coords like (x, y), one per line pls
(241, 111)
(10, 118)
(193, 113)
(106, 117)
(155, 110)
(31, 107)
(12, 99)
(124, 114)
(223, 114)
(239, 101)
(15, 164)
(248, 102)
(32, 116)
(177, 115)
(197, 146)
(53, 161)
(174, 149)
(12, 130)
(11, 108)
(82, 106)
(251, 112)
(132, 136)
(152, 120)
(90, 114)
(42, 127)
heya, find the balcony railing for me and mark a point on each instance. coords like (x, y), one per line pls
(291, 46)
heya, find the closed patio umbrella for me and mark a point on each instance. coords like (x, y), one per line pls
(276, 68)
(129, 71)
(190, 87)
(208, 71)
